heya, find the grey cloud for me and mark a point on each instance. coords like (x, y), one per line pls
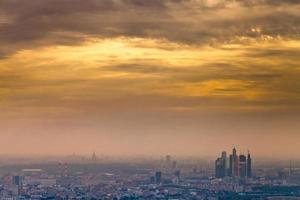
(267, 2)
(148, 4)
(206, 72)
(141, 68)
(283, 53)
(34, 23)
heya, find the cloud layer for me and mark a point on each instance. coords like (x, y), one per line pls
(87, 64)
(31, 23)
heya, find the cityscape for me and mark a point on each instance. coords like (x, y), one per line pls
(149, 99)
(240, 166)
(103, 177)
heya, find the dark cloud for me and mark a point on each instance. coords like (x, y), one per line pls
(282, 53)
(147, 4)
(268, 2)
(34, 23)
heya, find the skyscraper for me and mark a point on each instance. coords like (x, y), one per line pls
(230, 169)
(221, 166)
(239, 165)
(224, 163)
(242, 166)
(249, 167)
(218, 168)
(235, 172)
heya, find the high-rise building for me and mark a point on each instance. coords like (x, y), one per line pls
(230, 169)
(235, 172)
(249, 167)
(239, 165)
(218, 168)
(224, 163)
(221, 166)
(242, 166)
(16, 180)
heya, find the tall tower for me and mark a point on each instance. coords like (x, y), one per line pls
(235, 159)
(291, 169)
(94, 157)
(249, 167)
(221, 166)
(242, 166)
(218, 168)
(224, 163)
(230, 169)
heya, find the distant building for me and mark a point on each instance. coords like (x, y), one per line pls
(152, 179)
(218, 167)
(239, 165)
(230, 169)
(94, 157)
(168, 158)
(168, 164)
(249, 167)
(235, 172)
(224, 163)
(17, 180)
(221, 166)
(174, 165)
(177, 176)
(177, 173)
(242, 166)
(158, 177)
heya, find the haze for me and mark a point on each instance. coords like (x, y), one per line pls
(183, 77)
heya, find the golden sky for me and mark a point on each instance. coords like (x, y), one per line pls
(188, 77)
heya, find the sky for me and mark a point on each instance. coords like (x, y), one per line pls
(150, 77)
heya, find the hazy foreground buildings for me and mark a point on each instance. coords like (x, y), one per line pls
(150, 179)
(239, 165)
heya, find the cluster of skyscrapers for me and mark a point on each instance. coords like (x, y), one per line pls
(239, 165)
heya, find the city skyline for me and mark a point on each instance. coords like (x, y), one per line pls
(236, 165)
(149, 77)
